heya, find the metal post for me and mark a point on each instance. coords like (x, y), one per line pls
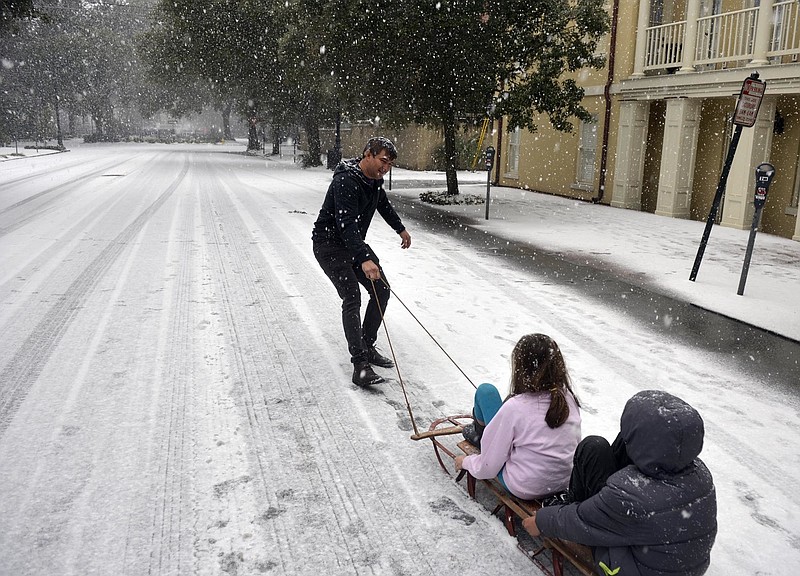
(488, 182)
(749, 252)
(764, 174)
(712, 215)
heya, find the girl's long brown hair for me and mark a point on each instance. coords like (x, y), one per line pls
(538, 366)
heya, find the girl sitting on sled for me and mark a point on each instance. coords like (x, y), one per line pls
(528, 440)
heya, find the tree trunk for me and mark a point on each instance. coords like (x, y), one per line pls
(99, 126)
(276, 140)
(59, 135)
(450, 154)
(252, 135)
(312, 134)
(226, 121)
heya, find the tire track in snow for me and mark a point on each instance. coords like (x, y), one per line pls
(47, 172)
(313, 405)
(175, 458)
(262, 328)
(248, 337)
(24, 367)
(59, 487)
(82, 476)
(353, 452)
(33, 274)
(50, 196)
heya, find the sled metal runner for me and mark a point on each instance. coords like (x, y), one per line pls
(511, 507)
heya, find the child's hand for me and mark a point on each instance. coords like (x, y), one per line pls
(459, 461)
(529, 524)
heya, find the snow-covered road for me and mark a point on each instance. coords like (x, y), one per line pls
(175, 396)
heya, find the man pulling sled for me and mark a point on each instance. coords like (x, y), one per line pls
(339, 236)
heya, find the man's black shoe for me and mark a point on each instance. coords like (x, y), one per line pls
(364, 375)
(376, 358)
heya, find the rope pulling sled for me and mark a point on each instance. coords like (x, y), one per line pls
(579, 556)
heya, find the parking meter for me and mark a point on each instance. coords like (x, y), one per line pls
(764, 175)
(489, 157)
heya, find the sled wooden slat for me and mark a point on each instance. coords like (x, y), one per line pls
(577, 555)
(437, 432)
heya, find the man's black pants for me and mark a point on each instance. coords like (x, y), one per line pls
(346, 275)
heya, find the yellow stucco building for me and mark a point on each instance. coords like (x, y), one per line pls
(663, 107)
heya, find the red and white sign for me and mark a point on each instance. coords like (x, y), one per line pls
(749, 102)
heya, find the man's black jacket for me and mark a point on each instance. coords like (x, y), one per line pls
(346, 213)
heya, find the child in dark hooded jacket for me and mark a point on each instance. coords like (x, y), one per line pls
(654, 517)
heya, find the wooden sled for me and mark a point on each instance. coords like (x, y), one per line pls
(511, 507)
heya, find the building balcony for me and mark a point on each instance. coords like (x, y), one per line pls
(760, 36)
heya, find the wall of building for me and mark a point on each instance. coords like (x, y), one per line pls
(784, 156)
(712, 148)
(627, 20)
(416, 145)
(548, 158)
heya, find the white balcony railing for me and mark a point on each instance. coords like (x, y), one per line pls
(726, 37)
(665, 46)
(785, 35)
(723, 38)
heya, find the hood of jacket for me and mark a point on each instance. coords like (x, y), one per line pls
(663, 434)
(351, 166)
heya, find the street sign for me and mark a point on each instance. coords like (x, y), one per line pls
(749, 101)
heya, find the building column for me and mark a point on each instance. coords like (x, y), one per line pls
(678, 154)
(755, 145)
(796, 236)
(631, 149)
(763, 34)
(641, 38)
(690, 37)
